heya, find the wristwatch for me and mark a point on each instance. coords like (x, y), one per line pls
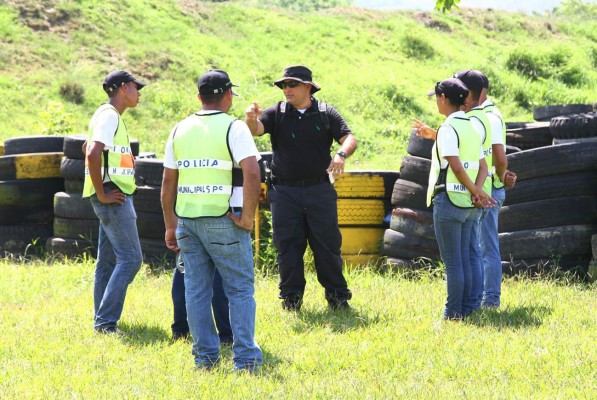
(342, 154)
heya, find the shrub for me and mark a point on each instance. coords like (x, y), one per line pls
(525, 63)
(73, 92)
(415, 46)
(56, 121)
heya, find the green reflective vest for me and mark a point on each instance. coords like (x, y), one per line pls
(204, 162)
(468, 146)
(491, 108)
(479, 113)
(118, 162)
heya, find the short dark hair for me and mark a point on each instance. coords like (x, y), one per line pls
(212, 99)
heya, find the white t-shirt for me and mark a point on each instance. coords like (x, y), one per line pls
(103, 126)
(241, 145)
(448, 141)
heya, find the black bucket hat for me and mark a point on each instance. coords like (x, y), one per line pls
(298, 73)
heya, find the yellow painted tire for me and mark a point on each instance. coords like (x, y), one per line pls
(357, 240)
(1, 149)
(370, 212)
(30, 166)
(366, 184)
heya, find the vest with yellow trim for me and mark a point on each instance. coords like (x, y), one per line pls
(205, 165)
(441, 179)
(479, 113)
(491, 108)
(118, 162)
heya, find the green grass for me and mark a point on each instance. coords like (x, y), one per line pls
(539, 345)
(374, 66)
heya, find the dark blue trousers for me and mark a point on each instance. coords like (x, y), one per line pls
(219, 304)
(304, 215)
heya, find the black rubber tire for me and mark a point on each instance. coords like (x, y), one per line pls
(418, 146)
(531, 136)
(553, 160)
(413, 222)
(70, 228)
(548, 187)
(151, 225)
(545, 113)
(149, 171)
(28, 200)
(403, 245)
(155, 252)
(30, 166)
(15, 239)
(560, 211)
(147, 199)
(547, 242)
(512, 149)
(409, 194)
(415, 169)
(72, 205)
(594, 246)
(73, 168)
(574, 126)
(366, 184)
(71, 248)
(402, 264)
(74, 186)
(33, 144)
(73, 146)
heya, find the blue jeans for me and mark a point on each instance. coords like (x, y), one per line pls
(219, 304)
(453, 231)
(490, 247)
(208, 244)
(476, 265)
(118, 259)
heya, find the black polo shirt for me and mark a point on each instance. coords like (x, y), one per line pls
(301, 146)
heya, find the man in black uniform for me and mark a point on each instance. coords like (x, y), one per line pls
(303, 201)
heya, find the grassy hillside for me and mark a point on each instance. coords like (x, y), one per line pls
(375, 67)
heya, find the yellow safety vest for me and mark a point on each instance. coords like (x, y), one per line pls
(491, 108)
(118, 162)
(478, 113)
(468, 145)
(204, 162)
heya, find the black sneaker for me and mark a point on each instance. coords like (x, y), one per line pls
(339, 305)
(180, 335)
(292, 303)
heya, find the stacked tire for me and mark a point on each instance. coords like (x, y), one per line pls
(411, 235)
(592, 269)
(549, 217)
(150, 220)
(29, 177)
(363, 203)
(528, 135)
(574, 128)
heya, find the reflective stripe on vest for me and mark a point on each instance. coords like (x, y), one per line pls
(468, 147)
(121, 163)
(478, 113)
(491, 108)
(204, 162)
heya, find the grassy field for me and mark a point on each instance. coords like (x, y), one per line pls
(539, 345)
(374, 66)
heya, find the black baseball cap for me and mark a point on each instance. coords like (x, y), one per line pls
(298, 73)
(473, 79)
(452, 88)
(115, 79)
(215, 81)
